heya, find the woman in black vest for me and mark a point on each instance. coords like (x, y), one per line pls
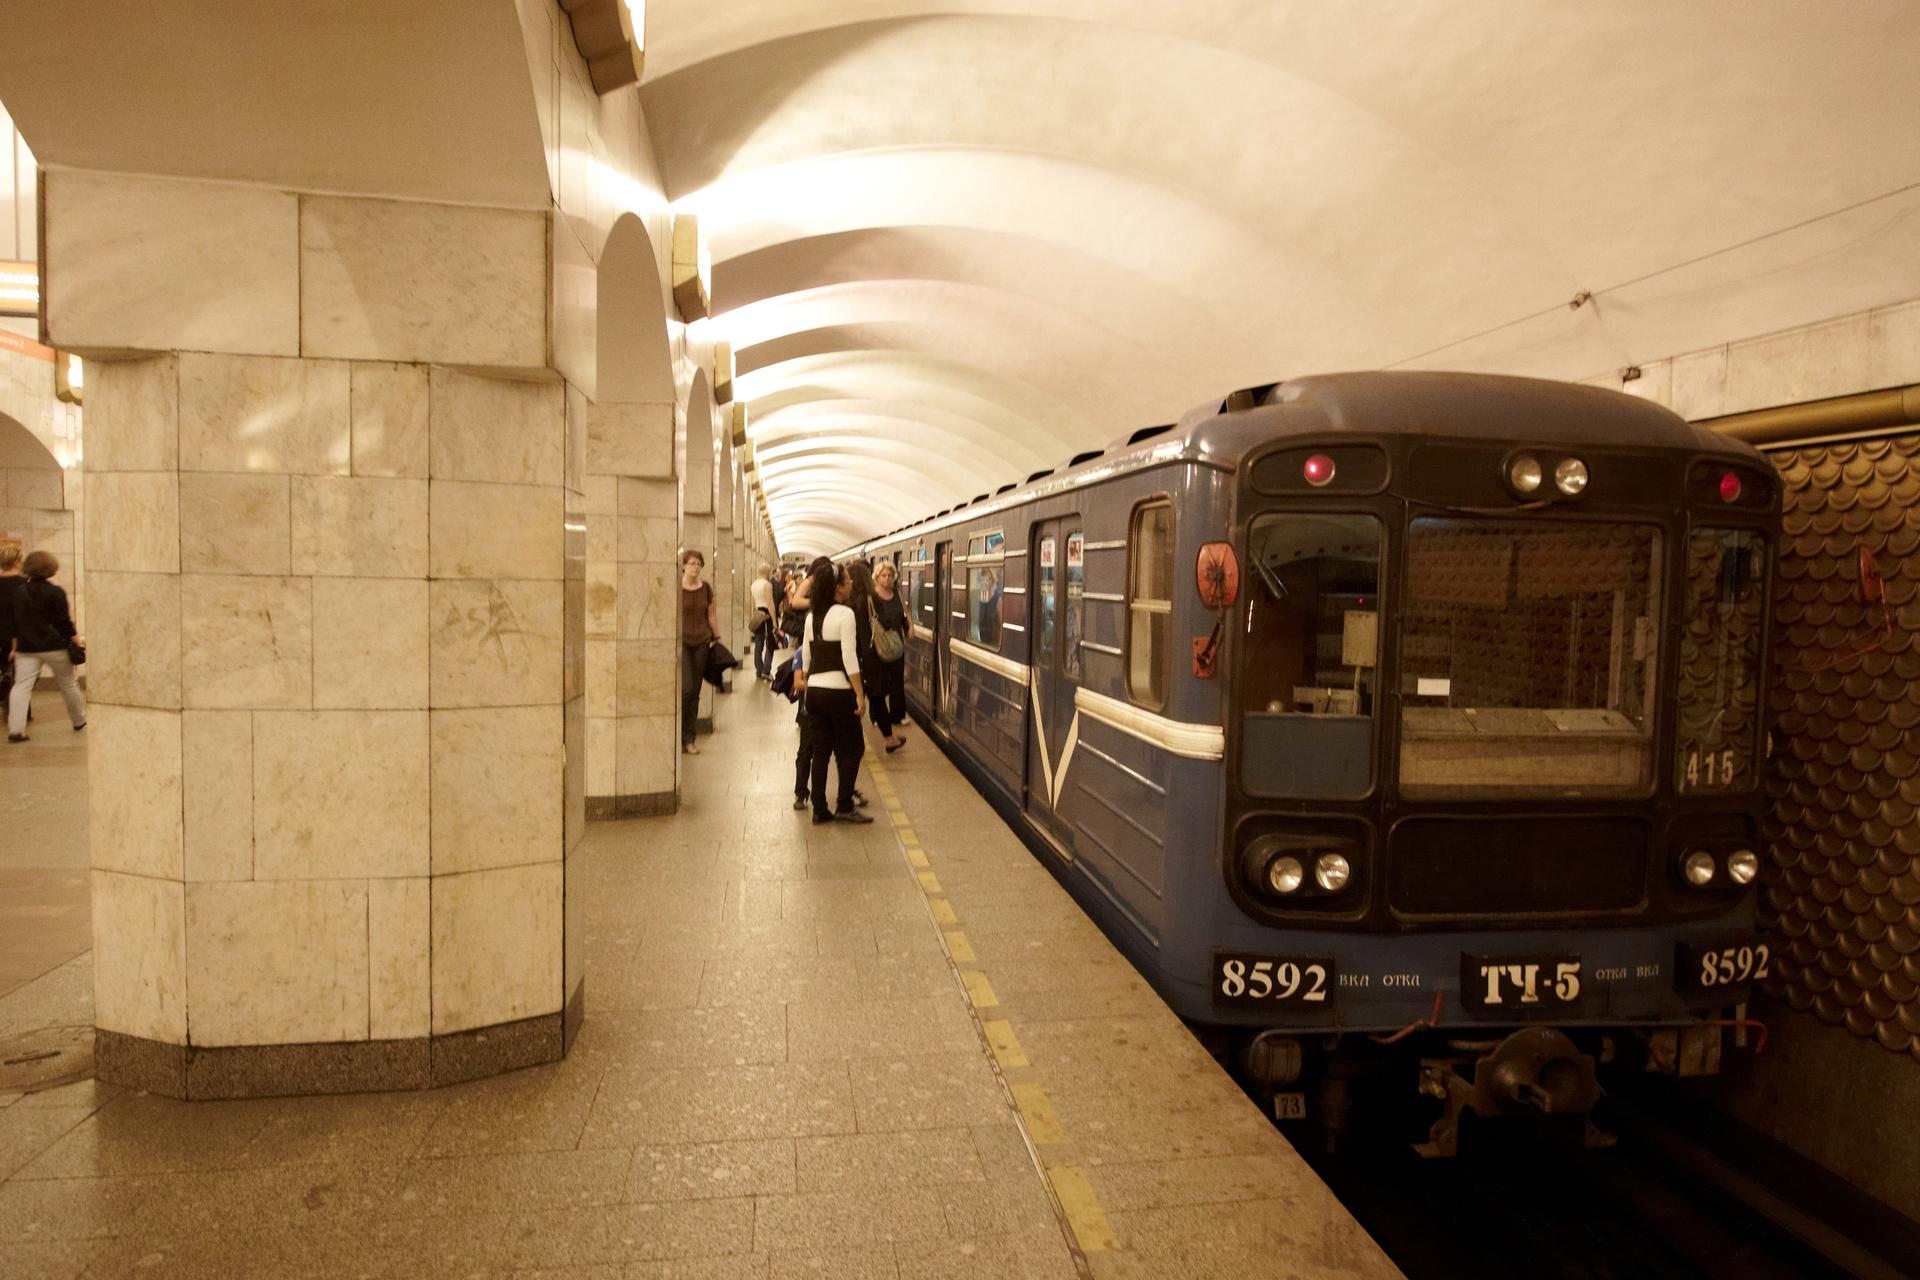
(829, 650)
(42, 633)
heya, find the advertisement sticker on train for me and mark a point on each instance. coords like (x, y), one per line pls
(1046, 553)
(1076, 551)
(1251, 981)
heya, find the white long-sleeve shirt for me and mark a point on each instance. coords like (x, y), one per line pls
(840, 626)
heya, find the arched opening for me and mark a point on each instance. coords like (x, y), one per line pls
(632, 646)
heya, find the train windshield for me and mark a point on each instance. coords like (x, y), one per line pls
(1527, 657)
(1720, 661)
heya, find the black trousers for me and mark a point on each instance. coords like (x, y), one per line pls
(693, 669)
(803, 759)
(836, 736)
(886, 686)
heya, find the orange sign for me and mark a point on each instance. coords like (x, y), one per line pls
(11, 341)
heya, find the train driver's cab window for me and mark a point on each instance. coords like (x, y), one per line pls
(986, 567)
(1527, 657)
(1309, 678)
(1149, 602)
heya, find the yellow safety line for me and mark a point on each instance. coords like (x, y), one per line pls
(959, 948)
(917, 858)
(929, 882)
(1036, 1108)
(1084, 1214)
(1005, 1045)
(943, 911)
(979, 990)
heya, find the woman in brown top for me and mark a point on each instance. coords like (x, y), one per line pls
(699, 624)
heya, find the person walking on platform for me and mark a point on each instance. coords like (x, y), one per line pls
(761, 589)
(11, 581)
(699, 627)
(829, 649)
(887, 683)
(43, 636)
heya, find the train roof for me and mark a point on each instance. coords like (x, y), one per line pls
(1451, 405)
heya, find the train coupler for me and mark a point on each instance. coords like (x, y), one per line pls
(1535, 1073)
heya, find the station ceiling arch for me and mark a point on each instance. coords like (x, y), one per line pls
(948, 226)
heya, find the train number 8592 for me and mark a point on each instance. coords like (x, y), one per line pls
(1258, 980)
(1726, 965)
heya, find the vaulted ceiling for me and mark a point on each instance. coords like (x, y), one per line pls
(956, 242)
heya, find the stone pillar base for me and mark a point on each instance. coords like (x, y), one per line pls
(655, 804)
(364, 1066)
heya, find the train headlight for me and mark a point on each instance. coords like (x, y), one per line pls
(1332, 872)
(1524, 473)
(1698, 868)
(1570, 477)
(1284, 874)
(1742, 866)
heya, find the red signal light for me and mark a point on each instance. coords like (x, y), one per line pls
(1730, 487)
(1317, 470)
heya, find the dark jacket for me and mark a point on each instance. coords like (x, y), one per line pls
(41, 622)
(10, 588)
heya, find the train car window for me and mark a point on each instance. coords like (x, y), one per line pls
(1720, 663)
(986, 566)
(1149, 601)
(1073, 615)
(1308, 681)
(1527, 657)
(1044, 604)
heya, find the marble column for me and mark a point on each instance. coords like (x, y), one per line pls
(334, 637)
(633, 643)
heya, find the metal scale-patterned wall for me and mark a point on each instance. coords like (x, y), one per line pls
(1843, 891)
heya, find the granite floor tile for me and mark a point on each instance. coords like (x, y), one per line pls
(74, 1208)
(870, 1262)
(829, 1219)
(455, 1185)
(138, 1133)
(997, 1208)
(944, 1092)
(51, 1260)
(649, 982)
(711, 1170)
(1041, 1254)
(353, 1128)
(538, 1109)
(719, 1104)
(631, 1233)
(926, 1158)
(737, 1266)
(1160, 1184)
(25, 1132)
(850, 1027)
(730, 1035)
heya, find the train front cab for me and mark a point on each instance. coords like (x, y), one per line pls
(1493, 764)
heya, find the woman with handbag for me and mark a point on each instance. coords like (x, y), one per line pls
(699, 628)
(887, 689)
(44, 637)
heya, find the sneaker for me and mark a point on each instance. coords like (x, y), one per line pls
(851, 815)
(16, 737)
(799, 803)
(77, 728)
(819, 821)
(859, 801)
(690, 748)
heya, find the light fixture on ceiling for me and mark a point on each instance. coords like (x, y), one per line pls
(612, 36)
(692, 268)
(69, 377)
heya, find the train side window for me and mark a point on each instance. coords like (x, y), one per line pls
(1307, 677)
(986, 565)
(1149, 601)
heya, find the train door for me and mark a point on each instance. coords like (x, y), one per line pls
(1057, 567)
(942, 625)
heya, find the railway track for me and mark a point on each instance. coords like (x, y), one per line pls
(1661, 1204)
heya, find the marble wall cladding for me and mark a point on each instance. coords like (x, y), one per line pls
(644, 539)
(140, 956)
(575, 816)
(602, 750)
(133, 628)
(601, 692)
(339, 794)
(241, 413)
(498, 787)
(497, 946)
(133, 806)
(41, 487)
(386, 280)
(647, 755)
(359, 527)
(390, 418)
(579, 413)
(497, 429)
(369, 650)
(234, 523)
(133, 415)
(160, 264)
(246, 642)
(631, 439)
(251, 971)
(496, 530)
(399, 965)
(495, 643)
(648, 604)
(134, 522)
(216, 753)
(647, 676)
(602, 602)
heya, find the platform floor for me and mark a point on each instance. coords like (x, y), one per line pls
(894, 1051)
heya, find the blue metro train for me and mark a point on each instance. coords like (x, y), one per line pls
(1387, 706)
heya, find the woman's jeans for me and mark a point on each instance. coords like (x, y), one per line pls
(763, 649)
(693, 669)
(887, 694)
(836, 736)
(26, 670)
